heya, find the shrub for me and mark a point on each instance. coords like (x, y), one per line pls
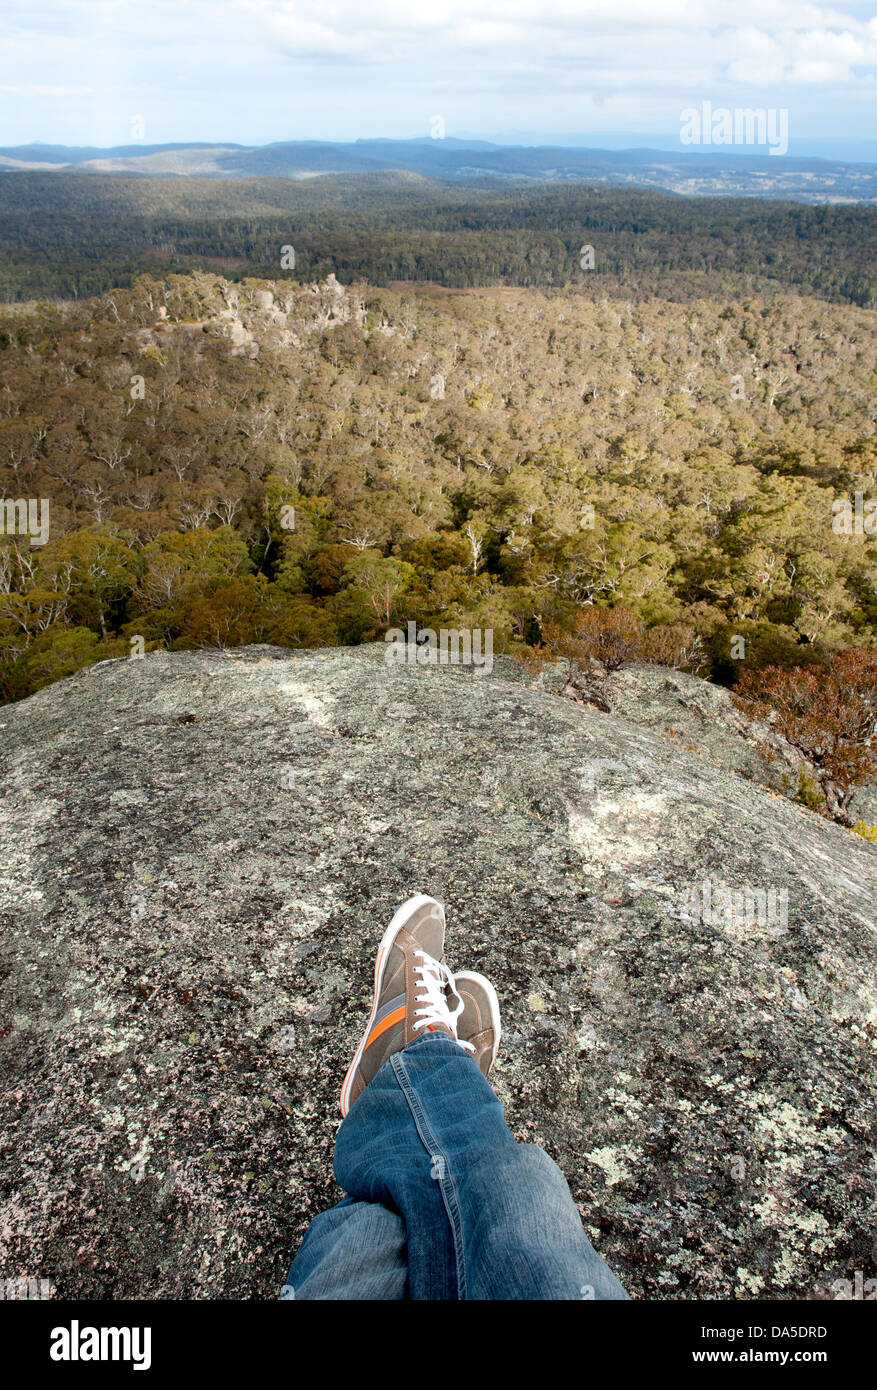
(675, 644)
(829, 713)
(610, 636)
(809, 793)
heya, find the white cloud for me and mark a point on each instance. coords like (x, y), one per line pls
(272, 69)
(41, 89)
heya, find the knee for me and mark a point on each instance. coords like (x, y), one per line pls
(520, 1179)
(527, 1234)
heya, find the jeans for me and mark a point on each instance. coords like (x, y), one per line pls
(442, 1202)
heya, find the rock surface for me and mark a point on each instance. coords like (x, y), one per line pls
(699, 715)
(200, 852)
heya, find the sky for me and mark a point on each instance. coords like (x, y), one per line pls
(117, 72)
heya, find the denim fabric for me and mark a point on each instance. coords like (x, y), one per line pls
(442, 1202)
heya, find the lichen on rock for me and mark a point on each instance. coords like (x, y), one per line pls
(200, 853)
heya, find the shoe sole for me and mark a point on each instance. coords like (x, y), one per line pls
(400, 917)
(492, 999)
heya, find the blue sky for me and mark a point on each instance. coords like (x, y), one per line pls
(253, 71)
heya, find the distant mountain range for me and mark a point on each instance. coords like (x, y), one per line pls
(760, 174)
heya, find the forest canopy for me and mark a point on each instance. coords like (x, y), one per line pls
(74, 235)
(312, 464)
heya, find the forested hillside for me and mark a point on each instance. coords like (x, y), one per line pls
(312, 464)
(74, 235)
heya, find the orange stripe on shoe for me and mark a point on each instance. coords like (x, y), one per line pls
(395, 1017)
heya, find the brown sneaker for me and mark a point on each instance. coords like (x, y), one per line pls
(478, 1024)
(412, 989)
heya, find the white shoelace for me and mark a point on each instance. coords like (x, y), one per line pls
(435, 980)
